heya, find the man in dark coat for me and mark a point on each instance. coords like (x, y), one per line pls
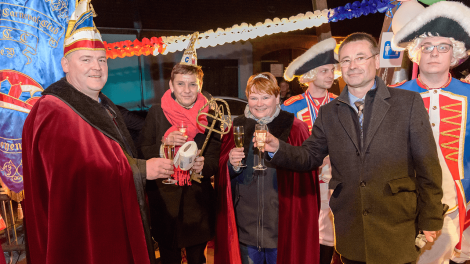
(386, 178)
(182, 214)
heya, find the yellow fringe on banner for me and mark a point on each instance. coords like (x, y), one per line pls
(17, 197)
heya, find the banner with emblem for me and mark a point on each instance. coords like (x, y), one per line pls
(31, 46)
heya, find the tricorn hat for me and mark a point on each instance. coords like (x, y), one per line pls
(444, 19)
(81, 31)
(318, 55)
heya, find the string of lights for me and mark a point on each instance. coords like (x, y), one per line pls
(170, 44)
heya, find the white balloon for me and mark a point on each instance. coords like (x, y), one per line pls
(407, 11)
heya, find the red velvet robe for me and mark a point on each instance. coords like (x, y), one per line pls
(2, 259)
(299, 205)
(80, 201)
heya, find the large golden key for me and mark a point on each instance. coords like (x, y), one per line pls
(219, 115)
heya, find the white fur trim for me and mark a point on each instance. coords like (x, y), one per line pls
(452, 10)
(320, 47)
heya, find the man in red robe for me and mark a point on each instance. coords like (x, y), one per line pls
(84, 188)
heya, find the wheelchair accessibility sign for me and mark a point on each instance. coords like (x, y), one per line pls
(388, 56)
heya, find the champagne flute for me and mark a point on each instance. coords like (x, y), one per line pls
(261, 132)
(238, 136)
(182, 127)
(169, 152)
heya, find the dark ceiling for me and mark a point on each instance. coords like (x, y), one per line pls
(202, 15)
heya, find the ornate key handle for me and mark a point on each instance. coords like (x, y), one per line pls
(219, 115)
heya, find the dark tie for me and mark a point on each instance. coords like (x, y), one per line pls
(360, 106)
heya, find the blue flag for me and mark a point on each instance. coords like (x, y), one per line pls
(31, 46)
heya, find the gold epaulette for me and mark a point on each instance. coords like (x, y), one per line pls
(397, 84)
(333, 96)
(464, 81)
(293, 99)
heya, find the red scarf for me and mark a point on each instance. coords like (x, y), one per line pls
(175, 113)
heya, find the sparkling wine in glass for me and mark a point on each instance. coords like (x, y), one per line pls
(183, 127)
(261, 132)
(169, 151)
(238, 136)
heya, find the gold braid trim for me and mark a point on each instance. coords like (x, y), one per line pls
(18, 197)
(448, 132)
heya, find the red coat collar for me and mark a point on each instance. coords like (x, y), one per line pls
(424, 86)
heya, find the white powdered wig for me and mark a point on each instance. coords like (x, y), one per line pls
(319, 48)
(458, 49)
(452, 10)
(311, 75)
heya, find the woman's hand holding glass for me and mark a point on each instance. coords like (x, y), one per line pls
(235, 157)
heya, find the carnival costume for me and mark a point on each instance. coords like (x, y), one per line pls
(306, 108)
(84, 187)
(448, 110)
